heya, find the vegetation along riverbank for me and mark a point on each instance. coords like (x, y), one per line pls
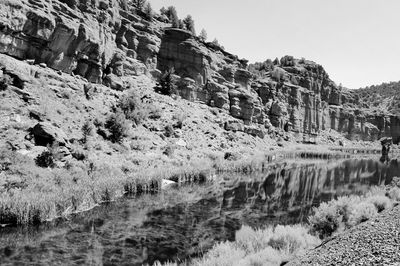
(332, 231)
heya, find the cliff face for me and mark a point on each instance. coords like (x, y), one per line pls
(106, 42)
(91, 39)
(300, 96)
(210, 75)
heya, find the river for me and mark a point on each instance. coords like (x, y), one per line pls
(181, 223)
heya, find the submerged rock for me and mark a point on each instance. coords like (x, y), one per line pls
(168, 184)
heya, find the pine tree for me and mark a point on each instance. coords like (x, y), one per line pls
(215, 42)
(163, 11)
(166, 83)
(203, 35)
(189, 24)
(181, 25)
(139, 4)
(148, 10)
(87, 130)
(173, 16)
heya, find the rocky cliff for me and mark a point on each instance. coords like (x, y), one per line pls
(107, 42)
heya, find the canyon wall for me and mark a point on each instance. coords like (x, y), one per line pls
(107, 41)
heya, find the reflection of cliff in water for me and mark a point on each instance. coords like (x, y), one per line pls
(286, 193)
(122, 233)
(283, 195)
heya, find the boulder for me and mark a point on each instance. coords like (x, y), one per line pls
(168, 184)
(234, 125)
(114, 82)
(255, 131)
(45, 134)
(33, 152)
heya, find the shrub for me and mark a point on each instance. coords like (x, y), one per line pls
(265, 257)
(380, 202)
(343, 206)
(376, 191)
(325, 219)
(362, 212)
(252, 240)
(291, 239)
(87, 130)
(137, 111)
(45, 159)
(5, 80)
(117, 127)
(79, 154)
(89, 90)
(129, 103)
(169, 131)
(267, 246)
(167, 82)
(222, 254)
(180, 118)
(154, 111)
(49, 157)
(65, 94)
(169, 150)
(394, 193)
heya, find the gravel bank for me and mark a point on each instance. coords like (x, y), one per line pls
(375, 242)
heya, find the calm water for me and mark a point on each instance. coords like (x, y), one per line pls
(175, 225)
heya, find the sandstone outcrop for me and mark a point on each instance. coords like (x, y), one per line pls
(77, 36)
(106, 42)
(213, 77)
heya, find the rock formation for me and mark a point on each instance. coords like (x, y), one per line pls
(107, 41)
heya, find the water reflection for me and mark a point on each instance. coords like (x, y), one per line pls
(171, 226)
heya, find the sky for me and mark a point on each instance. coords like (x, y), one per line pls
(356, 41)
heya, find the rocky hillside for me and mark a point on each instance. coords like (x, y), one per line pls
(63, 47)
(381, 98)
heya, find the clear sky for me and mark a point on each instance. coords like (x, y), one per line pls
(356, 41)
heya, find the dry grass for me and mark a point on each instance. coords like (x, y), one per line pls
(30, 194)
(270, 246)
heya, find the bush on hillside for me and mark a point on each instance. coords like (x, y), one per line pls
(290, 239)
(117, 126)
(180, 117)
(394, 193)
(137, 111)
(87, 130)
(325, 220)
(45, 159)
(49, 157)
(169, 131)
(380, 202)
(362, 212)
(5, 80)
(167, 82)
(129, 103)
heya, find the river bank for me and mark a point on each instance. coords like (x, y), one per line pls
(33, 194)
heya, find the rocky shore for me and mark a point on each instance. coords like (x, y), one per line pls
(375, 242)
